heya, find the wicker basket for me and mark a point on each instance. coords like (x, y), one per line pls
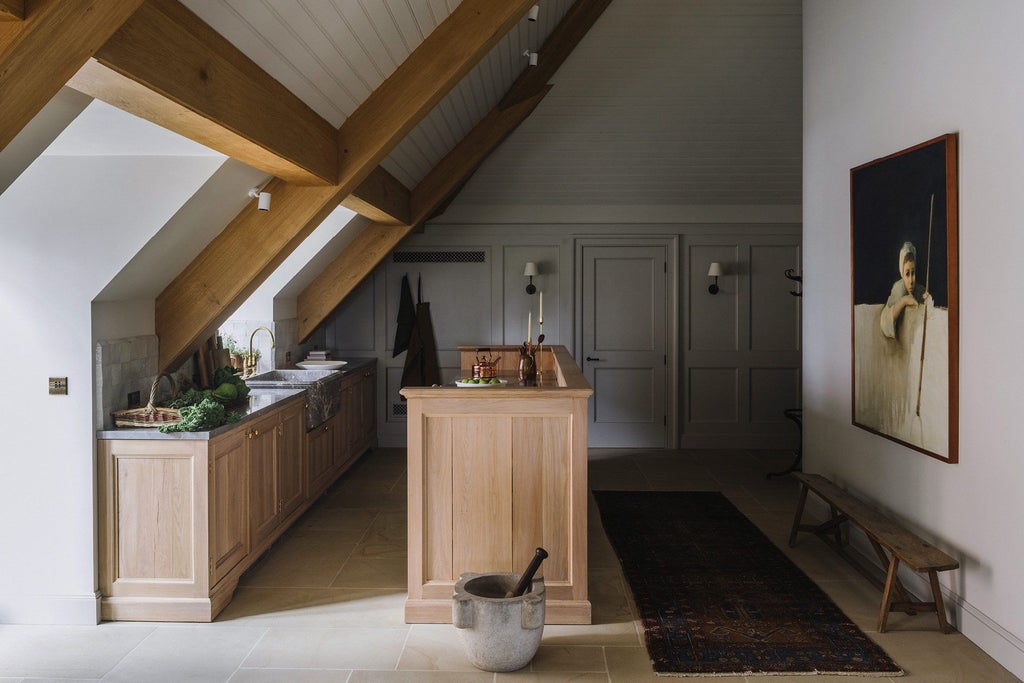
(150, 415)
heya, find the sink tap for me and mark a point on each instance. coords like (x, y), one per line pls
(249, 368)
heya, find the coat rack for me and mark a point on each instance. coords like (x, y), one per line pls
(791, 274)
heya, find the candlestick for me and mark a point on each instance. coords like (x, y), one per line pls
(529, 327)
(540, 317)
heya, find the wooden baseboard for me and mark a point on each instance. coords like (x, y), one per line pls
(157, 609)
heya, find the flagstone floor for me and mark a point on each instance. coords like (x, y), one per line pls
(325, 604)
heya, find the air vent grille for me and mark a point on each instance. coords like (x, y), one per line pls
(439, 256)
(399, 410)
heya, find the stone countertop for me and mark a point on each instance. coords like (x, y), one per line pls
(259, 402)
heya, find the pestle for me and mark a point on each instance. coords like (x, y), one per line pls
(527, 578)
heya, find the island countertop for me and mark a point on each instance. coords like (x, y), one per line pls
(559, 376)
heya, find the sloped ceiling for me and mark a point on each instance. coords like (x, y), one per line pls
(691, 102)
(666, 102)
(333, 53)
(685, 102)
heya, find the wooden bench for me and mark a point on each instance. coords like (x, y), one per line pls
(892, 543)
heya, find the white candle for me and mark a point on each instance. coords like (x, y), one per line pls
(529, 326)
(540, 318)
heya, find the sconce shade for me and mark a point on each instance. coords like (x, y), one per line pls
(715, 269)
(530, 270)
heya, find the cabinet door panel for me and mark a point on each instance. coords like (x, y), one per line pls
(291, 477)
(542, 505)
(320, 442)
(263, 501)
(482, 494)
(229, 507)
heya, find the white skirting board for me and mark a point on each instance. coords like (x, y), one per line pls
(76, 610)
(979, 628)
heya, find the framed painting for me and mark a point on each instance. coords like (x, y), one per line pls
(904, 283)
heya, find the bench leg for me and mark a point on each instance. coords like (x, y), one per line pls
(940, 610)
(898, 588)
(890, 582)
(799, 514)
(837, 526)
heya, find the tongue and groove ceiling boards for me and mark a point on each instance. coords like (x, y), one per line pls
(169, 66)
(368, 103)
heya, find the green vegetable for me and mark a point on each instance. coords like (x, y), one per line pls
(228, 375)
(226, 392)
(190, 398)
(206, 414)
(222, 375)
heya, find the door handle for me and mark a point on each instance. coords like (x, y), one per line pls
(592, 359)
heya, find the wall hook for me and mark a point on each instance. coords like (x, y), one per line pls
(791, 274)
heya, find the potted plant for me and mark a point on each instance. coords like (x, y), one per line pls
(237, 353)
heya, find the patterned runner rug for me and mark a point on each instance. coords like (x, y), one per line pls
(717, 598)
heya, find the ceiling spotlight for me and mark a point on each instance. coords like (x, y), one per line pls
(532, 56)
(534, 13)
(263, 203)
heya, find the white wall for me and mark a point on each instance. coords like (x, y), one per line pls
(67, 225)
(879, 77)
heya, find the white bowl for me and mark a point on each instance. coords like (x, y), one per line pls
(321, 364)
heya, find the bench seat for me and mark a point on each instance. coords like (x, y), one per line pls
(893, 544)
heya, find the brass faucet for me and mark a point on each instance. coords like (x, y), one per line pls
(249, 367)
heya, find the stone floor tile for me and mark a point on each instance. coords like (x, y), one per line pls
(213, 655)
(328, 648)
(67, 651)
(569, 658)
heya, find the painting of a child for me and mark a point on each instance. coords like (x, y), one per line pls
(903, 207)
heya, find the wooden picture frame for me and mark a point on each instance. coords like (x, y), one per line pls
(905, 345)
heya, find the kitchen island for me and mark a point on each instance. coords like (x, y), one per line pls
(183, 515)
(496, 471)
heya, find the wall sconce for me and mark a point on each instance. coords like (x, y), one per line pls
(533, 13)
(530, 271)
(263, 198)
(715, 271)
(532, 56)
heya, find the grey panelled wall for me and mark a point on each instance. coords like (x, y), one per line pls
(741, 350)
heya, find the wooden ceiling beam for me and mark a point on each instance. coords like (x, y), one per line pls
(39, 53)
(358, 259)
(399, 103)
(238, 260)
(12, 10)
(381, 198)
(168, 66)
(575, 24)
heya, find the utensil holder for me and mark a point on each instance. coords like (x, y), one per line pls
(527, 369)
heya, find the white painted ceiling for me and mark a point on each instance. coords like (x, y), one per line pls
(687, 102)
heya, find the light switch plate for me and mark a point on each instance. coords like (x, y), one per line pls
(58, 386)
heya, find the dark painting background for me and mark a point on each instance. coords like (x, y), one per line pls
(890, 206)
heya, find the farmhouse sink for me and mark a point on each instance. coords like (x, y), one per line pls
(288, 378)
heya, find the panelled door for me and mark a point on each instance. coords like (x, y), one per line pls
(624, 337)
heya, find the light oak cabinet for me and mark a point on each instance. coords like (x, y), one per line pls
(323, 457)
(181, 519)
(358, 412)
(229, 504)
(493, 474)
(276, 483)
(337, 443)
